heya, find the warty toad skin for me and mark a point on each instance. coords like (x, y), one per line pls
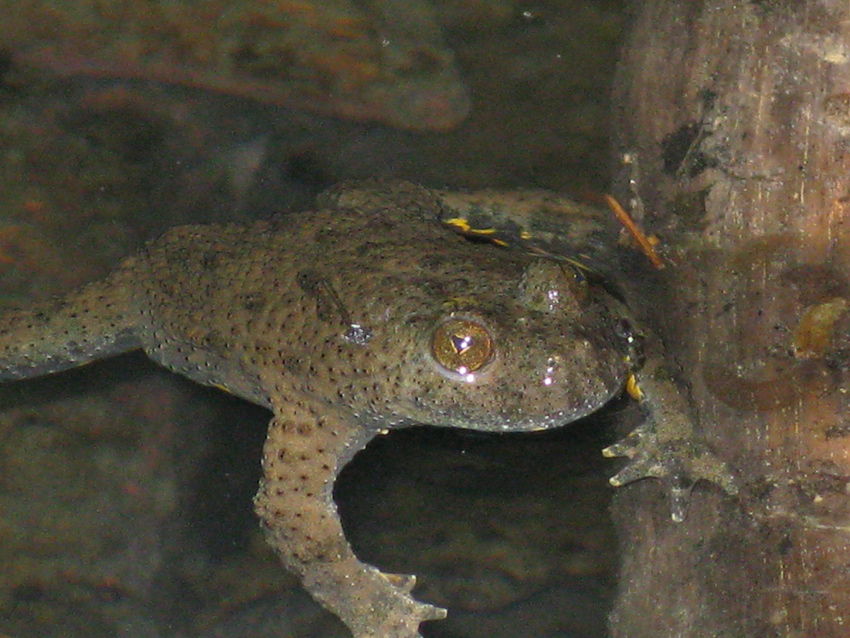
(365, 315)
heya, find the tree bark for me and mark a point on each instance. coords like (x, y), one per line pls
(737, 117)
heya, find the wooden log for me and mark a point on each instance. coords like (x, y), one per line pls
(737, 118)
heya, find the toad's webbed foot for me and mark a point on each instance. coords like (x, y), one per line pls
(678, 463)
(371, 603)
(668, 447)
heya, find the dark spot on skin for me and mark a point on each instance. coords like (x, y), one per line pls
(210, 260)
(325, 236)
(304, 429)
(253, 301)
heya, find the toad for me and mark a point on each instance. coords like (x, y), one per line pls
(369, 314)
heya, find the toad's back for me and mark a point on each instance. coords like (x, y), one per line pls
(263, 309)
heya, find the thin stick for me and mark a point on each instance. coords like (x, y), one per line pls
(629, 224)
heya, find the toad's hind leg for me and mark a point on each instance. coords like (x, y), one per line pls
(93, 322)
(305, 448)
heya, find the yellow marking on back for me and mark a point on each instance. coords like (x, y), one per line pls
(464, 225)
(458, 222)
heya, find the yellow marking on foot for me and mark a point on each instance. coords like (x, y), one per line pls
(633, 389)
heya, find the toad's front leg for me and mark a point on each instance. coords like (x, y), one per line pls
(667, 446)
(305, 448)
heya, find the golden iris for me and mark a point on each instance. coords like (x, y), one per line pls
(461, 345)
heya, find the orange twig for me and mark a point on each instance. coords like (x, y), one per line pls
(629, 224)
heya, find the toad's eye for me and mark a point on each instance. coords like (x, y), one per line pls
(461, 345)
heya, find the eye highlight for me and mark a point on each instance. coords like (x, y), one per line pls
(461, 345)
